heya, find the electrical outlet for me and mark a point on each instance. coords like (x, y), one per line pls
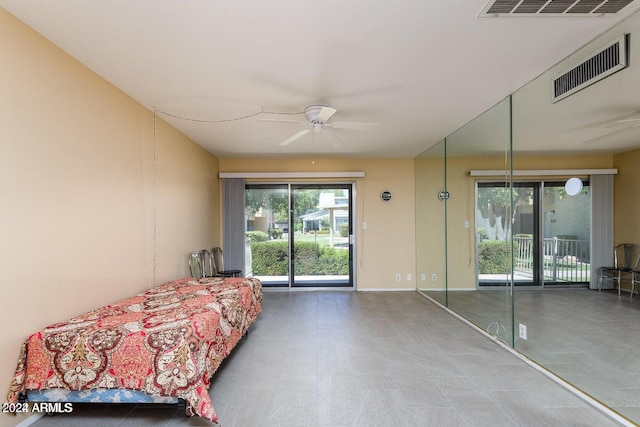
(522, 332)
(409, 276)
(423, 277)
(398, 277)
(434, 277)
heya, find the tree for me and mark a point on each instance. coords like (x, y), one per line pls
(494, 208)
(305, 201)
(276, 201)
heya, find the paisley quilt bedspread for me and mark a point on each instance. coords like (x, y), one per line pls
(168, 341)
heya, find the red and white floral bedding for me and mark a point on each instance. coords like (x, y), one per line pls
(167, 341)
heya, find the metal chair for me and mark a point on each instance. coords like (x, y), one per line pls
(217, 263)
(625, 260)
(201, 264)
(635, 280)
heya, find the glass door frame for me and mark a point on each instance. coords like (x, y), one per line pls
(323, 283)
(510, 207)
(290, 186)
(568, 254)
(537, 261)
(539, 247)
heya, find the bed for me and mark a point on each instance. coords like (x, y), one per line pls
(158, 346)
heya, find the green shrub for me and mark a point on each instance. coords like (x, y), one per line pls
(333, 261)
(275, 233)
(271, 259)
(257, 236)
(344, 230)
(307, 255)
(494, 257)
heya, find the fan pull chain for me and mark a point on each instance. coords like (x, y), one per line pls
(313, 146)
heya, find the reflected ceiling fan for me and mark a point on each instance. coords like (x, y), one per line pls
(318, 119)
(627, 122)
(616, 127)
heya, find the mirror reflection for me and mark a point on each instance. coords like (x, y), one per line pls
(540, 193)
(430, 221)
(478, 224)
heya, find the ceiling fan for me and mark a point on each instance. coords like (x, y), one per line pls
(628, 122)
(612, 128)
(318, 119)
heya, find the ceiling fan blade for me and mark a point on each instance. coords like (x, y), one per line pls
(285, 121)
(627, 120)
(294, 137)
(601, 138)
(352, 125)
(332, 138)
(326, 113)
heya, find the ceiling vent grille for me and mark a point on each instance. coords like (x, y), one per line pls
(610, 59)
(497, 8)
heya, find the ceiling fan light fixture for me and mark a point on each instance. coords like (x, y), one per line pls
(318, 120)
(319, 113)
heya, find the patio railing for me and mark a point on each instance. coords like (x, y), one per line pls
(565, 260)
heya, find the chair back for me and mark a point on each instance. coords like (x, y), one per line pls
(209, 270)
(201, 264)
(627, 256)
(217, 260)
(196, 264)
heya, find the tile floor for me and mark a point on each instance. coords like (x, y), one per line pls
(364, 359)
(589, 338)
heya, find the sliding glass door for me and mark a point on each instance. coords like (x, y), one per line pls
(267, 229)
(301, 234)
(322, 249)
(495, 226)
(550, 232)
(566, 225)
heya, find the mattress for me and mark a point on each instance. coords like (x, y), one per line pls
(165, 343)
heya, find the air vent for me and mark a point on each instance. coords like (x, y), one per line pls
(497, 8)
(610, 59)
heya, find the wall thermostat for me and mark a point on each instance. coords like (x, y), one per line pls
(385, 196)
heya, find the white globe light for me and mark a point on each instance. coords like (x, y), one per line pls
(573, 186)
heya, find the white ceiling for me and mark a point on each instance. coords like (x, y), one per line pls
(419, 68)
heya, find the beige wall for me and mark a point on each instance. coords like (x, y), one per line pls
(626, 205)
(77, 197)
(387, 246)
